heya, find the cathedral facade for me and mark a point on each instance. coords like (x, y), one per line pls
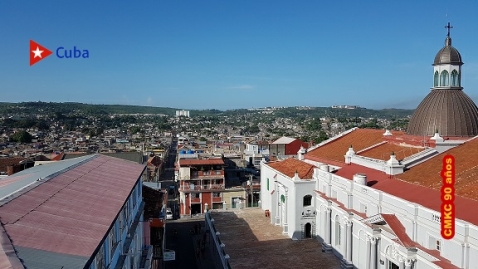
(375, 198)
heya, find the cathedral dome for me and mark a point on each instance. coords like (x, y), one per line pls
(446, 109)
(451, 112)
(448, 54)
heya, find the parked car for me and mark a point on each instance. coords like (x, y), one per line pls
(169, 213)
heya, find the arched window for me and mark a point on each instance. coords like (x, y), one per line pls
(307, 200)
(435, 79)
(444, 78)
(454, 78)
(338, 231)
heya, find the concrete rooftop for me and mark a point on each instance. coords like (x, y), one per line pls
(253, 242)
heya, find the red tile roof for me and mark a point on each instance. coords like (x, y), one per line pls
(59, 157)
(394, 223)
(72, 212)
(383, 151)
(193, 162)
(289, 166)
(407, 242)
(359, 139)
(414, 193)
(373, 176)
(399, 230)
(466, 170)
(340, 205)
(414, 140)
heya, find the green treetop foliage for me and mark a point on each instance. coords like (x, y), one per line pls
(313, 126)
(21, 137)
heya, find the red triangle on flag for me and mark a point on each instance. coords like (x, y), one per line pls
(37, 52)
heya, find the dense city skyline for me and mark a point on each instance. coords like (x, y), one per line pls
(230, 55)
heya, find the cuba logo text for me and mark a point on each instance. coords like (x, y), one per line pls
(61, 52)
(39, 52)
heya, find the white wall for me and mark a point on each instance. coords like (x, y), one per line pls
(421, 224)
(267, 175)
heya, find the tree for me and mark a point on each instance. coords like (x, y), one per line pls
(314, 125)
(42, 125)
(135, 130)
(22, 137)
(321, 137)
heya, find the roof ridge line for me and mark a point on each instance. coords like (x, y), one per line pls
(371, 147)
(338, 136)
(8, 198)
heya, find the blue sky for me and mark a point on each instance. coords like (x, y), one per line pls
(234, 54)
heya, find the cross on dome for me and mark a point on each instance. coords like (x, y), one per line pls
(448, 26)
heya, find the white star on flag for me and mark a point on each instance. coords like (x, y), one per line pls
(37, 52)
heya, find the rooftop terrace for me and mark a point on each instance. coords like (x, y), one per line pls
(253, 242)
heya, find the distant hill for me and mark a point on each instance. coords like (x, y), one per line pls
(319, 112)
(30, 108)
(75, 108)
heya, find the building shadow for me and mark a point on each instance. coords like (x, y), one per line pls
(251, 241)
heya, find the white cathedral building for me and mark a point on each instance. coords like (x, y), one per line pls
(374, 198)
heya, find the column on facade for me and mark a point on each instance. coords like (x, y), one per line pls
(349, 240)
(278, 211)
(284, 209)
(409, 264)
(401, 263)
(343, 238)
(367, 257)
(327, 227)
(322, 223)
(373, 251)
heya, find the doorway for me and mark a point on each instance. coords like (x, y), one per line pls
(391, 265)
(308, 230)
(195, 209)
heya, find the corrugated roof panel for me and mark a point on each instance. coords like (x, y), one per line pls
(283, 140)
(31, 175)
(38, 259)
(61, 224)
(53, 241)
(71, 212)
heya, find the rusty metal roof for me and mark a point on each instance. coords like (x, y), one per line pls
(72, 211)
(193, 162)
(451, 112)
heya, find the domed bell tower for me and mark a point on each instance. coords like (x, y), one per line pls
(446, 109)
(447, 66)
